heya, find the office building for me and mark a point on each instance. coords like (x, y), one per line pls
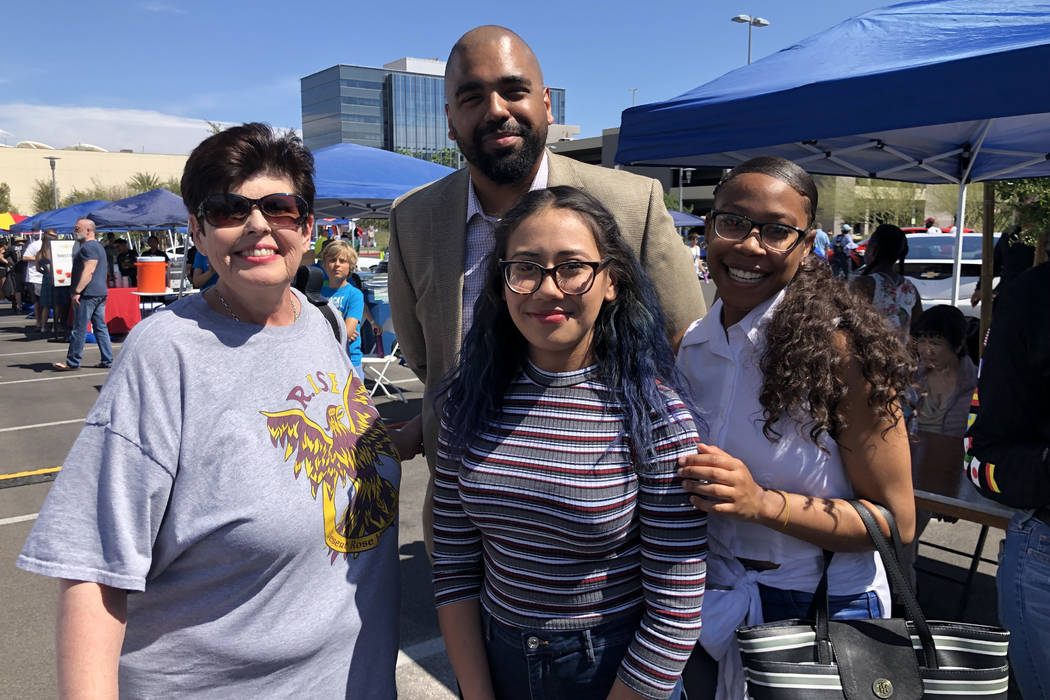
(399, 107)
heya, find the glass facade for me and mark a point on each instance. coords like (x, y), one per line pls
(382, 108)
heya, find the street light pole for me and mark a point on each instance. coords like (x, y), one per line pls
(750, 22)
(681, 178)
(54, 189)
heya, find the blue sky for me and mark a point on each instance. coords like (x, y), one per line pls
(142, 74)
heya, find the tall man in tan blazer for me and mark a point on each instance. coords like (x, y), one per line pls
(498, 111)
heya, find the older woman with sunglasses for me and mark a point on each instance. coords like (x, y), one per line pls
(226, 522)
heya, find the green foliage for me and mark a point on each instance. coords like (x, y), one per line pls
(173, 185)
(448, 157)
(214, 127)
(143, 182)
(43, 196)
(1027, 203)
(877, 202)
(671, 201)
(5, 197)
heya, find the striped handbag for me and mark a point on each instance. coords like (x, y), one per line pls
(898, 659)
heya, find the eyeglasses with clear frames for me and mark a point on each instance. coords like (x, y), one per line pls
(573, 277)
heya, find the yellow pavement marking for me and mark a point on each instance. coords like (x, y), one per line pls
(33, 472)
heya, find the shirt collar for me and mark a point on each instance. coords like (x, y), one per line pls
(710, 326)
(538, 183)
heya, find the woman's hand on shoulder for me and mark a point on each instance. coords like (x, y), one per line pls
(723, 484)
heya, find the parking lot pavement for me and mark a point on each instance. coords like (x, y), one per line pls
(42, 412)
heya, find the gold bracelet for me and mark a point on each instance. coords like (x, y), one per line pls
(787, 510)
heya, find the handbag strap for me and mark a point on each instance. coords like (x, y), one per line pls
(898, 581)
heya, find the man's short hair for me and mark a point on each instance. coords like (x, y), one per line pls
(339, 247)
(226, 159)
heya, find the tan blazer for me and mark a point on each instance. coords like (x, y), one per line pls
(427, 248)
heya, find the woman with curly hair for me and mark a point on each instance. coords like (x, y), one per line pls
(801, 388)
(568, 560)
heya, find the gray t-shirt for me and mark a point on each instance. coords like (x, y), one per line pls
(214, 475)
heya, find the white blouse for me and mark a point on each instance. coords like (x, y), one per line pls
(722, 369)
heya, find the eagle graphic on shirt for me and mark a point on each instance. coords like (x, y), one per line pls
(345, 452)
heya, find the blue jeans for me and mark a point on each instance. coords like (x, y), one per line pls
(778, 604)
(1024, 603)
(91, 309)
(558, 664)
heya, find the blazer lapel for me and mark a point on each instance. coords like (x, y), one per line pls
(448, 231)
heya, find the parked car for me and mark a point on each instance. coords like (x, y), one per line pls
(931, 257)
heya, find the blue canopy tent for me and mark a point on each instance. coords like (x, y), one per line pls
(62, 220)
(681, 219)
(354, 181)
(154, 209)
(26, 225)
(933, 91)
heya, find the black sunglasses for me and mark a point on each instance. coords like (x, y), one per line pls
(228, 209)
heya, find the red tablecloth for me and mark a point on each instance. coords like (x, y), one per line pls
(122, 310)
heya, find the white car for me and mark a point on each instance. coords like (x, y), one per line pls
(930, 261)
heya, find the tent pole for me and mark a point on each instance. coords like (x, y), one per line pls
(987, 262)
(960, 219)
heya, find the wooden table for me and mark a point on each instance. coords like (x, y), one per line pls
(941, 488)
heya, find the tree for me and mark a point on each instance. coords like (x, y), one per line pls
(43, 196)
(1028, 204)
(5, 197)
(448, 157)
(671, 202)
(143, 182)
(214, 127)
(173, 185)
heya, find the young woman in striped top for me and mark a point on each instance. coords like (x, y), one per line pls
(568, 561)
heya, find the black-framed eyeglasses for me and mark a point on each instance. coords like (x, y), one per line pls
(781, 238)
(573, 277)
(229, 209)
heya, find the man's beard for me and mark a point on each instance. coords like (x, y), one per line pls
(509, 166)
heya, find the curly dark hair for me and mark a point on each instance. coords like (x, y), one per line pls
(802, 373)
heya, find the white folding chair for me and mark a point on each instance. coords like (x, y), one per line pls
(378, 362)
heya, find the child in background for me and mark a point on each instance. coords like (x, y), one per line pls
(339, 260)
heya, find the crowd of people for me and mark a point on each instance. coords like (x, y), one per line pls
(619, 476)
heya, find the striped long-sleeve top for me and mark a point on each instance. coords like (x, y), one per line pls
(548, 519)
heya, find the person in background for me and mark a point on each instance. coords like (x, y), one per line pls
(821, 242)
(202, 276)
(931, 225)
(1012, 257)
(45, 266)
(842, 253)
(322, 241)
(946, 381)
(89, 294)
(201, 564)
(891, 293)
(5, 268)
(568, 562)
(153, 249)
(339, 260)
(17, 272)
(126, 262)
(801, 385)
(33, 281)
(1010, 445)
(697, 252)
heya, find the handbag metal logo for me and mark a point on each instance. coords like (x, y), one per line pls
(882, 688)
